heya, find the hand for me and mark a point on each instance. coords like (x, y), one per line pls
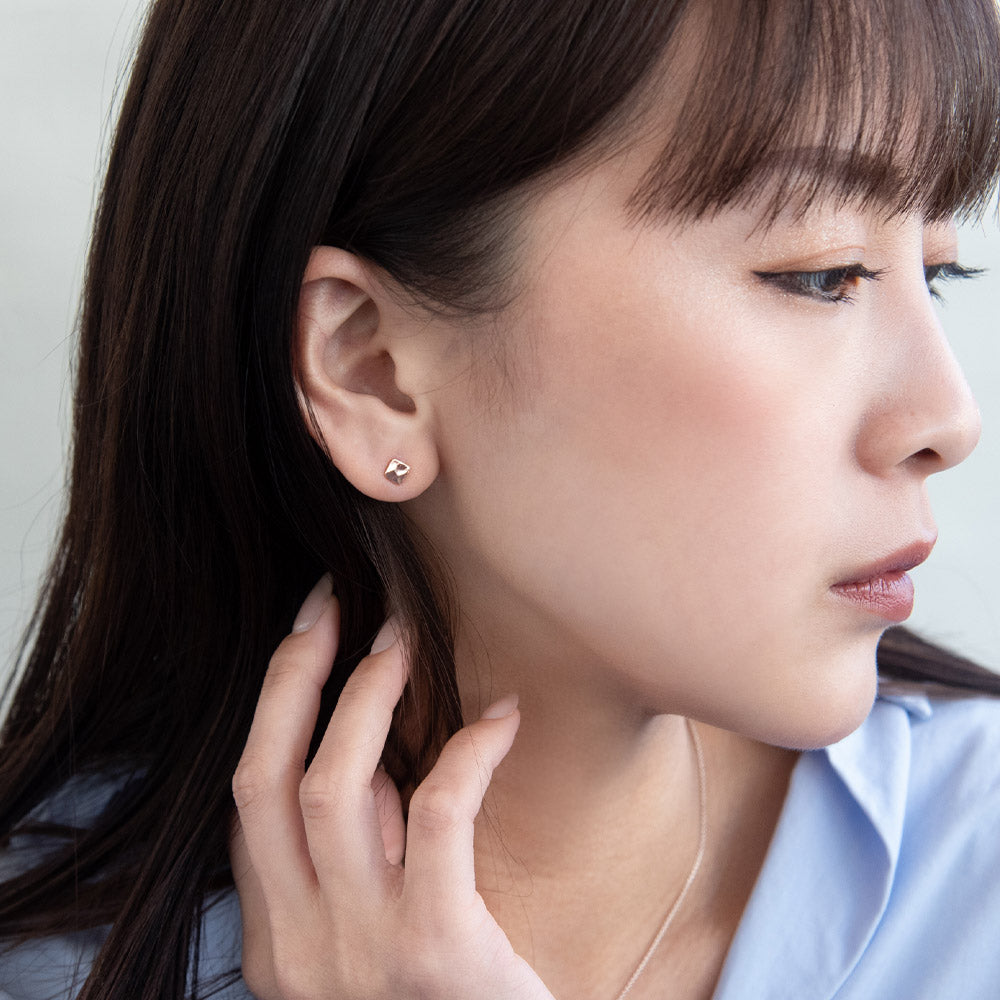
(329, 910)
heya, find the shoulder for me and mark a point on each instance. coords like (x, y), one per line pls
(56, 967)
(52, 968)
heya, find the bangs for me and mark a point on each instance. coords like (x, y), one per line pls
(893, 104)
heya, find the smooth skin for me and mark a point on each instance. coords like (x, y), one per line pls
(701, 431)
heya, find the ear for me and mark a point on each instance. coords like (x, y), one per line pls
(352, 358)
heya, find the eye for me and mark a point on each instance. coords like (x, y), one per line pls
(836, 284)
(946, 272)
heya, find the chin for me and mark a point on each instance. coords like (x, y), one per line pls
(808, 700)
(827, 706)
(831, 730)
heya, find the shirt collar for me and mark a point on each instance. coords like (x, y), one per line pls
(827, 877)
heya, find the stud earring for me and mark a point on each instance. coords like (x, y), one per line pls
(396, 471)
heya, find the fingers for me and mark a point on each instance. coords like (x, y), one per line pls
(257, 955)
(266, 783)
(316, 855)
(390, 816)
(440, 864)
(338, 805)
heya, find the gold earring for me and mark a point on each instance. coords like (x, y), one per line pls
(396, 471)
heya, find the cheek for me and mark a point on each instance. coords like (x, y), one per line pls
(707, 430)
(662, 498)
(672, 459)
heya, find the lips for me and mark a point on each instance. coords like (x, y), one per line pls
(901, 561)
(883, 588)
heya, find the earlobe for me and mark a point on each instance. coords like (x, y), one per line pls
(396, 471)
(348, 373)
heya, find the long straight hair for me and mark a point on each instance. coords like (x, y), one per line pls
(200, 508)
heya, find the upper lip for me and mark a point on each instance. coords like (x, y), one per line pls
(897, 562)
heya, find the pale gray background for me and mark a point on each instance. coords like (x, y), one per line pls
(60, 66)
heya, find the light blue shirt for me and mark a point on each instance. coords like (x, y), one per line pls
(882, 880)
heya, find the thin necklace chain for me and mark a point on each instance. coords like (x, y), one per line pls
(702, 838)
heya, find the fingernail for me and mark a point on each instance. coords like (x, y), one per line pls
(502, 708)
(386, 636)
(314, 604)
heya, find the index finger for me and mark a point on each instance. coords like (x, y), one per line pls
(341, 817)
(266, 783)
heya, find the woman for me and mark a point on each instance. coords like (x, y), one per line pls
(585, 351)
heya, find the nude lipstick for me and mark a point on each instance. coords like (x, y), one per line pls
(885, 589)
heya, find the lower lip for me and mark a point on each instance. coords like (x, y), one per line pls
(889, 596)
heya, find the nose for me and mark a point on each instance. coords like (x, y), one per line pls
(923, 417)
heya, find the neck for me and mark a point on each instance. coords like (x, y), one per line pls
(591, 827)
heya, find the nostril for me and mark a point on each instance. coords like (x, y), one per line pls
(926, 462)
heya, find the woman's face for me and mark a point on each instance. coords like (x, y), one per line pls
(698, 438)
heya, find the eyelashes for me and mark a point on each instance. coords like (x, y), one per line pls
(945, 272)
(838, 284)
(835, 284)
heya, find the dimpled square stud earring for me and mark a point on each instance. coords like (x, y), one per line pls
(396, 471)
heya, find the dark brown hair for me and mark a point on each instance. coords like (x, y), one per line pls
(200, 508)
